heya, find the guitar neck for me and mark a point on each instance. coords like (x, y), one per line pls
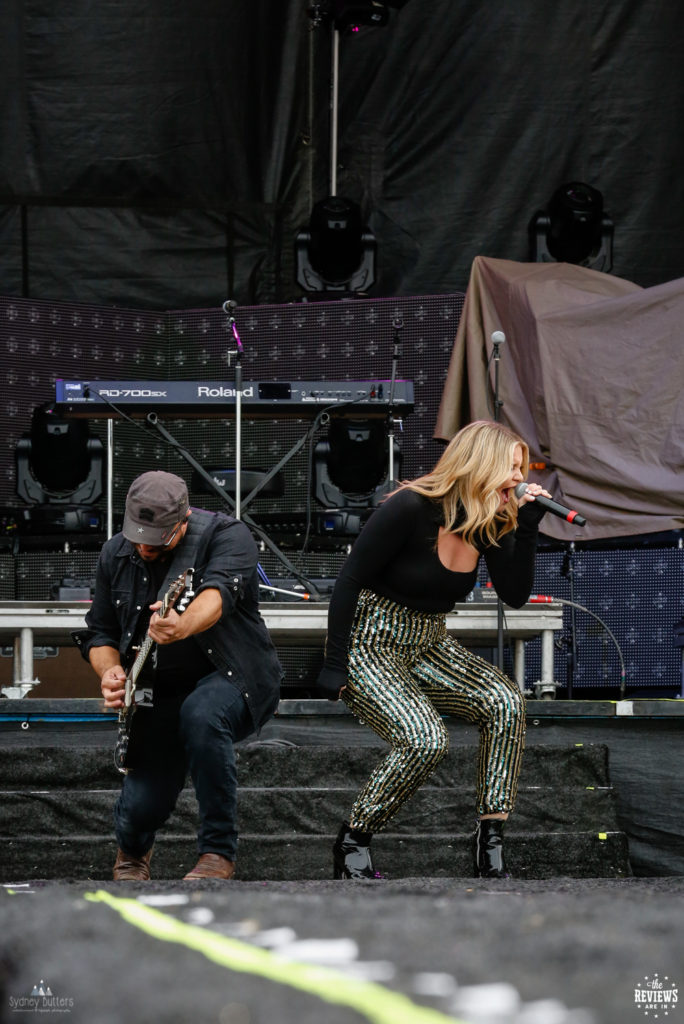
(140, 659)
(167, 604)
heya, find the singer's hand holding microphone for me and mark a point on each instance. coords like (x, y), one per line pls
(526, 492)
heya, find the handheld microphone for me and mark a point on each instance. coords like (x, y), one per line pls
(228, 305)
(498, 338)
(553, 506)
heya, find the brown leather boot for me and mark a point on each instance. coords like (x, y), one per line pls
(132, 869)
(211, 865)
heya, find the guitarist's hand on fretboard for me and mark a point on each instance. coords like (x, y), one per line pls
(202, 613)
(168, 629)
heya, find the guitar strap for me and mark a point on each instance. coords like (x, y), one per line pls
(184, 558)
(185, 555)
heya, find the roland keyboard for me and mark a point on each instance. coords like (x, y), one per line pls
(210, 398)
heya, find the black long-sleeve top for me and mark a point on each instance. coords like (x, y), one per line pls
(396, 557)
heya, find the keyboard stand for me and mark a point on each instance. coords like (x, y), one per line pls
(153, 420)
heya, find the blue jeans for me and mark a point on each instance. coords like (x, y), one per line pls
(194, 734)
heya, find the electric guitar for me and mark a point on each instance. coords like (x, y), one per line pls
(126, 713)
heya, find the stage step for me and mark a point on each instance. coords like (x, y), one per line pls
(289, 856)
(274, 810)
(56, 814)
(277, 762)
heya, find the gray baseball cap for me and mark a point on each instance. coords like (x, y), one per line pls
(155, 504)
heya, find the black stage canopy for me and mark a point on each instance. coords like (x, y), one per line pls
(165, 156)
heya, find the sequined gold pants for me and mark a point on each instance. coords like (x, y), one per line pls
(405, 671)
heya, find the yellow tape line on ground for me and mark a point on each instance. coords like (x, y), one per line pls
(377, 1004)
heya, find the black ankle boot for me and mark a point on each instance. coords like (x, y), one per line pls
(489, 854)
(352, 856)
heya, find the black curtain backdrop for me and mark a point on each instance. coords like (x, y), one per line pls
(164, 155)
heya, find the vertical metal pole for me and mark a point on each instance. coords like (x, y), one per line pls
(334, 106)
(397, 326)
(25, 656)
(547, 681)
(238, 437)
(228, 305)
(572, 666)
(520, 662)
(499, 602)
(110, 478)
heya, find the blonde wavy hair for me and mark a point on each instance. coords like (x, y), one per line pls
(468, 477)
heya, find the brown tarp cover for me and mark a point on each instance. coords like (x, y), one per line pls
(592, 376)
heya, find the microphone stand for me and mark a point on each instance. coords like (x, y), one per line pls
(497, 338)
(397, 324)
(228, 307)
(568, 570)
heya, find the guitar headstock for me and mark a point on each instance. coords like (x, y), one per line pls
(175, 590)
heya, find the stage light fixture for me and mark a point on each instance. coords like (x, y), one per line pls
(351, 472)
(573, 228)
(336, 253)
(59, 474)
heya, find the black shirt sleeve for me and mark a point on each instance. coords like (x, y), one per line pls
(511, 565)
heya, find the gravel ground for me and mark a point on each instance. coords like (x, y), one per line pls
(412, 951)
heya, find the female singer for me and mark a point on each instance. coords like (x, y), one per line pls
(389, 656)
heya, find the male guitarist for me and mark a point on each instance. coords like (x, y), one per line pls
(212, 677)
